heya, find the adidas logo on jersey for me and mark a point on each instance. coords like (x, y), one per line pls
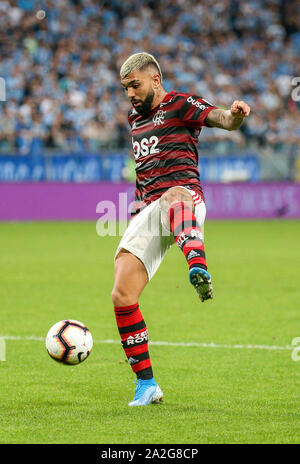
(132, 361)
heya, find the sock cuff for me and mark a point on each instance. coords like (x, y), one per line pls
(126, 308)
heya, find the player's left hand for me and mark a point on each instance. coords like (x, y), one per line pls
(240, 109)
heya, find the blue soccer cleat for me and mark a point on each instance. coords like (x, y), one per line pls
(146, 392)
(201, 280)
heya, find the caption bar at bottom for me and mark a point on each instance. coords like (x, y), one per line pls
(150, 453)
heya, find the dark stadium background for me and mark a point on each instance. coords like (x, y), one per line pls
(64, 135)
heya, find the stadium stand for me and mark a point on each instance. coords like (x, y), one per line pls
(62, 72)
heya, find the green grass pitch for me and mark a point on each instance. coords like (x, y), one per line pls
(217, 394)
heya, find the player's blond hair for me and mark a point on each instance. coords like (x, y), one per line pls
(139, 61)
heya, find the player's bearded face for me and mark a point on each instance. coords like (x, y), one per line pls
(143, 107)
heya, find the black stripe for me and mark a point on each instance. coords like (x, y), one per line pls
(185, 108)
(124, 313)
(132, 328)
(175, 146)
(200, 253)
(187, 223)
(140, 357)
(133, 343)
(166, 163)
(145, 373)
(156, 191)
(66, 345)
(169, 115)
(196, 115)
(83, 327)
(178, 175)
(187, 105)
(190, 240)
(191, 186)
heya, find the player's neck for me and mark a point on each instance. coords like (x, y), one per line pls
(158, 98)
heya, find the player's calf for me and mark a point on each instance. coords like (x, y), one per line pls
(130, 279)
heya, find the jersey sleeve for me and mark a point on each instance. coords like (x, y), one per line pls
(194, 111)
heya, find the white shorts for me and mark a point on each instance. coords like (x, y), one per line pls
(146, 238)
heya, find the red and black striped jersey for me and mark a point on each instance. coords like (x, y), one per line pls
(165, 145)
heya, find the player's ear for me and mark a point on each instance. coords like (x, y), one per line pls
(156, 81)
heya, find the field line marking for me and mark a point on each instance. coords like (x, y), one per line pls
(2, 349)
(166, 343)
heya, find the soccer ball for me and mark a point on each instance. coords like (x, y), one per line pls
(69, 342)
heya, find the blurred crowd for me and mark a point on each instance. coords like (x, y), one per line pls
(62, 70)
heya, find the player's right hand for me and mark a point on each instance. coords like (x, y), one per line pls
(240, 109)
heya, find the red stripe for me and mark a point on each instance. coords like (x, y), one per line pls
(151, 174)
(181, 222)
(189, 114)
(165, 185)
(125, 308)
(178, 208)
(179, 214)
(176, 105)
(124, 318)
(133, 350)
(124, 313)
(171, 122)
(134, 318)
(201, 121)
(197, 260)
(193, 245)
(141, 365)
(185, 212)
(169, 154)
(177, 138)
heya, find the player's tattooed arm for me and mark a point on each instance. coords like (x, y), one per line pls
(230, 119)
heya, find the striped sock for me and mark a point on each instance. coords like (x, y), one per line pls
(134, 339)
(188, 234)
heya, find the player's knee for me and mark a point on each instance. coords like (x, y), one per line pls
(175, 195)
(170, 198)
(117, 297)
(120, 297)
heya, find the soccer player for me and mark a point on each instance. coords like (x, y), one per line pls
(165, 129)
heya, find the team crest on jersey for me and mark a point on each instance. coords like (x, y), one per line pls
(159, 118)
